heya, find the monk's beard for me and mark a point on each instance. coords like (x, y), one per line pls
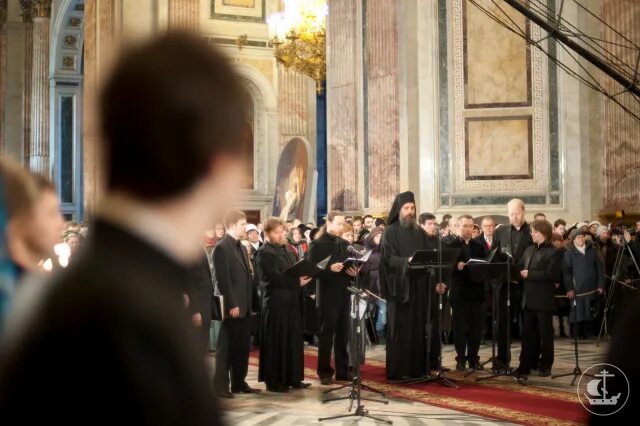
(408, 221)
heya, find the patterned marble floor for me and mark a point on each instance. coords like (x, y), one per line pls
(306, 407)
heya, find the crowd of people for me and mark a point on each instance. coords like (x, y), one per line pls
(115, 317)
(552, 264)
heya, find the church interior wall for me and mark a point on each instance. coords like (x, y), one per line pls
(423, 96)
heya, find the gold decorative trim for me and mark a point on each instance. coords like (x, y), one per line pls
(42, 8)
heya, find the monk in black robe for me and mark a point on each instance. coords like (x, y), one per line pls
(406, 292)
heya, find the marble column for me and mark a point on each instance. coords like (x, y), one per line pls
(619, 129)
(27, 9)
(3, 69)
(293, 105)
(39, 145)
(101, 41)
(184, 14)
(344, 106)
(382, 125)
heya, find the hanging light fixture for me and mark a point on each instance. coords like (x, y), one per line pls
(298, 35)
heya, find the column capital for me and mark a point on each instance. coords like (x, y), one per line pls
(27, 10)
(42, 8)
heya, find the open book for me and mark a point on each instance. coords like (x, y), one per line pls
(357, 262)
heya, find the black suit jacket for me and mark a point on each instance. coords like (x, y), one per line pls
(200, 290)
(464, 288)
(486, 249)
(544, 267)
(503, 238)
(332, 286)
(112, 335)
(233, 274)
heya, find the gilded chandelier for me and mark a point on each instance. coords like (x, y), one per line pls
(299, 37)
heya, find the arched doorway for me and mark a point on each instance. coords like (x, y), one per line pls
(66, 70)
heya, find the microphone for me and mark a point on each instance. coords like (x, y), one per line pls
(506, 252)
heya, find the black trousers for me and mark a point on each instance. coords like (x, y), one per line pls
(537, 340)
(334, 334)
(467, 330)
(232, 354)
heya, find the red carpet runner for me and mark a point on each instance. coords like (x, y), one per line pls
(499, 398)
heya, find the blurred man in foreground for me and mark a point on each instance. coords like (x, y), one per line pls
(110, 338)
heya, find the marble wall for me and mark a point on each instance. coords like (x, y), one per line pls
(499, 139)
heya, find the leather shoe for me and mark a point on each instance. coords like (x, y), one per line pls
(475, 365)
(300, 385)
(224, 394)
(460, 366)
(326, 381)
(247, 390)
(544, 373)
(521, 372)
(278, 388)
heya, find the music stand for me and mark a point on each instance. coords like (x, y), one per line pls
(428, 262)
(507, 371)
(493, 273)
(356, 386)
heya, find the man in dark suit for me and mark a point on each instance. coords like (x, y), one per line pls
(235, 281)
(487, 238)
(199, 290)
(488, 242)
(515, 237)
(111, 333)
(467, 297)
(333, 299)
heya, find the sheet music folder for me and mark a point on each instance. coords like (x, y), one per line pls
(304, 268)
(431, 258)
(357, 262)
(487, 271)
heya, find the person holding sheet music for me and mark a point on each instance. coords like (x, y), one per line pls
(467, 298)
(406, 293)
(282, 350)
(333, 299)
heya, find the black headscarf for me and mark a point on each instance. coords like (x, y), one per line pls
(401, 200)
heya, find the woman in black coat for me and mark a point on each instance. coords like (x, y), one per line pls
(583, 273)
(540, 269)
(282, 352)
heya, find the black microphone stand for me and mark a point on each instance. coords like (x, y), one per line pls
(577, 372)
(507, 371)
(356, 386)
(604, 326)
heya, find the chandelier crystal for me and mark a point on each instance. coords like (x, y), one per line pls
(299, 37)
